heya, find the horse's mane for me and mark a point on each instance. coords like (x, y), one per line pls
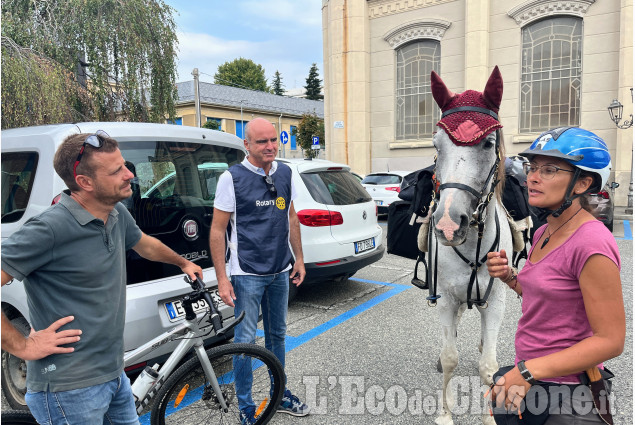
(501, 169)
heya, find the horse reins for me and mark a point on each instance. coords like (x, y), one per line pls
(478, 219)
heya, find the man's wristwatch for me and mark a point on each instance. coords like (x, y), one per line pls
(526, 373)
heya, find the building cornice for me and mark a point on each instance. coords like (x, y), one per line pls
(424, 28)
(533, 10)
(380, 8)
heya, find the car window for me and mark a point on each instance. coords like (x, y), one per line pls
(18, 173)
(335, 188)
(173, 199)
(382, 179)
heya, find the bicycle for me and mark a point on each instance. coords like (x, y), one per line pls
(203, 386)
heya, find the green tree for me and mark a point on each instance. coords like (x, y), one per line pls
(69, 60)
(310, 125)
(313, 83)
(243, 73)
(277, 87)
(211, 124)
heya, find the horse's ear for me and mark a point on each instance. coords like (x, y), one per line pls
(440, 92)
(493, 92)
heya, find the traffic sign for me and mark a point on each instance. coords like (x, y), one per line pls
(315, 147)
(284, 137)
(316, 140)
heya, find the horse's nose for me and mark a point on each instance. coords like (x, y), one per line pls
(449, 225)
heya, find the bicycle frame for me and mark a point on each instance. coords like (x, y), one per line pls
(189, 332)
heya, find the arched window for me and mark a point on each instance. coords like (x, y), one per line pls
(416, 113)
(551, 74)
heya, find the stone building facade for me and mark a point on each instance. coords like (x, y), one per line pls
(562, 62)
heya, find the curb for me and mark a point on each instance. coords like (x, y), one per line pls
(620, 213)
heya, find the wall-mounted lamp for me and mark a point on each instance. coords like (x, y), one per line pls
(615, 111)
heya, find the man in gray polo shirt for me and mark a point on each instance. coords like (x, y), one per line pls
(72, 260)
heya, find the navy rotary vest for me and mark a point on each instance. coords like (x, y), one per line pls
(262, 220)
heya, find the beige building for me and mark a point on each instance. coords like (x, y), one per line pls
(233, 107)
(562, 62)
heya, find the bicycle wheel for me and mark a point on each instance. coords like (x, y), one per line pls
(17, 417)
(188, 398)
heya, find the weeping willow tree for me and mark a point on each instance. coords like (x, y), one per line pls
(85, 60)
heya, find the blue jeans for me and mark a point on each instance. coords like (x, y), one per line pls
(271, 292)
(108, 403)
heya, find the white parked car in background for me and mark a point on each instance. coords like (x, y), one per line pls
(384, 187)
(338, 220)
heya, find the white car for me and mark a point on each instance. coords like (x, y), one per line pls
(176, 169)
(338, 220)
(384, 187)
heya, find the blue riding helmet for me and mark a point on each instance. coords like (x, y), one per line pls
(580, 148)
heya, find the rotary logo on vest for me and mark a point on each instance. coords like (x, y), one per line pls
(279, 202)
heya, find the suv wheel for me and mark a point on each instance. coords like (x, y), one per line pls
(14, 371)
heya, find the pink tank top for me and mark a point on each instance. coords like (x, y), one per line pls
(553, 316)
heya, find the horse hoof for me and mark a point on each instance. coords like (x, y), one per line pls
(439, 366)
(445, 419)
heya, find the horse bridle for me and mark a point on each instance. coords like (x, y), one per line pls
(478, 219)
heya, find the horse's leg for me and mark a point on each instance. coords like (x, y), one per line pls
(491, 319)
(448, 315)
(462, 308)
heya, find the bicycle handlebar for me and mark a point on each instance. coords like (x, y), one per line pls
(215, 318)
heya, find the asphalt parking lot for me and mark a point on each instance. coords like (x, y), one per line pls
(365, 350)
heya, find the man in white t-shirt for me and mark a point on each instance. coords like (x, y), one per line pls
(255, 198)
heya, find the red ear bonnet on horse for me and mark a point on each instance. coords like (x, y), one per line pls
(465, 126)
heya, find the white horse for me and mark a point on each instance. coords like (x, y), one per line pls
(468, 200)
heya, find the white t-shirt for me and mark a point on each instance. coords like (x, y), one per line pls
(225, 200)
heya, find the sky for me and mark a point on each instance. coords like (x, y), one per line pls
(282, 35)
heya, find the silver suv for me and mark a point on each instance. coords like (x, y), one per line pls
(176, 170)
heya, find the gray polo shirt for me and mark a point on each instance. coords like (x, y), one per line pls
(73, 264)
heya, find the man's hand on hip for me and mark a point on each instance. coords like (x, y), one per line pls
(40, 344)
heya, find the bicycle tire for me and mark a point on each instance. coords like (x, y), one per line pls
(200, 406)
(17, 417)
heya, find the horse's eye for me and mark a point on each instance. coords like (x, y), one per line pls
(488, 143)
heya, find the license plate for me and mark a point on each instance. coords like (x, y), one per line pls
(365, 245)
(176, 311)
(379, 202)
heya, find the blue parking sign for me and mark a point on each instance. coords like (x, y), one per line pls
(284, 137)
(316, 140)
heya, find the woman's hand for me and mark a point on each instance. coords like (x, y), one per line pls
(497, 265)
(510, 390)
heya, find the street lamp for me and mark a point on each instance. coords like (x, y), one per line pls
(615, 112)
(242, 125)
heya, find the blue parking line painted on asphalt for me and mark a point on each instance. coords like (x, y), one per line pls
(628, 233)
(396, 285)
(292, 342)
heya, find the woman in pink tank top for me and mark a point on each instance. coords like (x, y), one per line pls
(572, 308)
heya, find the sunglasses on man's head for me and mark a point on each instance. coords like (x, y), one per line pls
(270, 186)
(95, 140)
